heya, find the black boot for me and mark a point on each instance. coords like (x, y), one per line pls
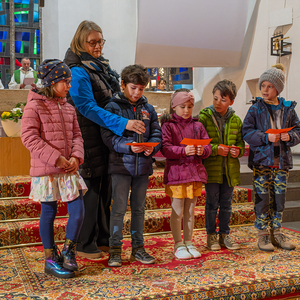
(114, 259)
(68, 253)
(54, 264)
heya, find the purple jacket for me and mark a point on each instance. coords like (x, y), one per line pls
(179, 167)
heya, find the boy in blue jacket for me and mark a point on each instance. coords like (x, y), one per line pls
(270, 156)
(130, 166)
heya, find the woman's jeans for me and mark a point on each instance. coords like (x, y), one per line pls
(120, 191)
(48, 213)
(218, 196)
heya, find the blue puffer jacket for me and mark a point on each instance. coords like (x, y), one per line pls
(121, 159)
(257, 122)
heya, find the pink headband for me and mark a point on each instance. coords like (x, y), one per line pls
(182, 97)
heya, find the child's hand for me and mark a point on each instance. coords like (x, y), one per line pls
(62, 162)
(137, 149)
(285, 137)
(273, 137)
(148, 150)
(223, 151)
(73, 166)
(190, 150)
(199, 150)
(234, 152)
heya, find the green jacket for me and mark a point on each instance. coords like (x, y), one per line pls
(232, 136)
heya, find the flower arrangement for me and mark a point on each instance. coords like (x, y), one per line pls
(15, 114)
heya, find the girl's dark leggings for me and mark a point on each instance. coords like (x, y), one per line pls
(48, 213)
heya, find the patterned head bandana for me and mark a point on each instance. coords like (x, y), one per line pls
(51, 71)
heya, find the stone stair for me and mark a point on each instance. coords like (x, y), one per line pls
(19, 216)
(292, 205)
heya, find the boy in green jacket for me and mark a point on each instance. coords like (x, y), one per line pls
(222, 166)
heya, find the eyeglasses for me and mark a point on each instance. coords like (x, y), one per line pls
(94, 43)
(67, 82)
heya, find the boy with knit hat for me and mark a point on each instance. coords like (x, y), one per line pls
(270, 156)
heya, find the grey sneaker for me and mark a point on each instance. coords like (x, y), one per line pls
(264, 242)
(213, 242)
(226, 241)
(278, 239)
(114, 259)
(139, 253)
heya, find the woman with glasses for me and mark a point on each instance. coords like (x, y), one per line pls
(93, 84)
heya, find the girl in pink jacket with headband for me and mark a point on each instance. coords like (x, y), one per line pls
(184, 171)
(52, 135)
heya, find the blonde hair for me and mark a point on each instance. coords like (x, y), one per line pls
(79, 39)
(47, 91)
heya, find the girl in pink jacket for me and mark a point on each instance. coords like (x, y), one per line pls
(184, 172)
(52, 135)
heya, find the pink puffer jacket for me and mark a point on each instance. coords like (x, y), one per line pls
(50, 129)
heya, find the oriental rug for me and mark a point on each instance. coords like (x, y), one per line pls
(223, 275)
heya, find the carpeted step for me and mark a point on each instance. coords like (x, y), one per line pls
(14, 186)
(14, 233)
(159, 221)
(156, 199)
(25, 208)
(19, 186)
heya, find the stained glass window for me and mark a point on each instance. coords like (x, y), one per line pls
(3, 19)
(3, 35)
(26, 36)
(175, 78)
(18, 36)
(27, 42)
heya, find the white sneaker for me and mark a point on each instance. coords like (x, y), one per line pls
(193, 251)
(182, 253)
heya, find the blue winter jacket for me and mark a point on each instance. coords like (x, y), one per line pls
(121, 159)
(257, 122)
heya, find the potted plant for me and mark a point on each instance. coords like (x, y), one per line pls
(11, 121)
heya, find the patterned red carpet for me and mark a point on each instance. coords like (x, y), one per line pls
(229, 275)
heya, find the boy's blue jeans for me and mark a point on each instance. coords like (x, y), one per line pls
(218, 196)
(120, 191)
(48, 213)
(269, 190)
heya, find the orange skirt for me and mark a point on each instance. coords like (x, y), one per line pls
(184, 190)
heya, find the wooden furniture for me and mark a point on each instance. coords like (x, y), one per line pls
(14, 157)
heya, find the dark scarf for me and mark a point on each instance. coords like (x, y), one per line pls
(101, 66)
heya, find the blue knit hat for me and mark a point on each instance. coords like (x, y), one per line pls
(51, 71)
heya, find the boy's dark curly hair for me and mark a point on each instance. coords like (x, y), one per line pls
(226, 88)
(136, 74)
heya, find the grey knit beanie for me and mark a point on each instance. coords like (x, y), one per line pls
(275, 75)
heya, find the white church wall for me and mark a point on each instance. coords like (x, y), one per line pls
(256, 59)
(117, 19)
